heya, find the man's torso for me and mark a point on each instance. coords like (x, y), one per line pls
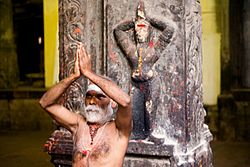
(108, 148)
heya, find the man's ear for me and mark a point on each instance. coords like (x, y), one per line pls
(113, 104)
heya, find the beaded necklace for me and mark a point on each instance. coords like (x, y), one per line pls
(93, 131)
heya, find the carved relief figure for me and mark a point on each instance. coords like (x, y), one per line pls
(142, 53)
(98, 138)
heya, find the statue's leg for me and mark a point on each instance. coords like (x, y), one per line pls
(152, 101)
(138, 110)
(148, 107)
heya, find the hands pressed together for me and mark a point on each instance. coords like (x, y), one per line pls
(82, 62)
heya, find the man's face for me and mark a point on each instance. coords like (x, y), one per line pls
(97, 107)
(141, 30)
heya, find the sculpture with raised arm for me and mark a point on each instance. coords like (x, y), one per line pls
(142, 53)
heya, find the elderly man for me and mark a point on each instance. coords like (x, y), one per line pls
(99, 140)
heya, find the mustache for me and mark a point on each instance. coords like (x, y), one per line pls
(93, 108)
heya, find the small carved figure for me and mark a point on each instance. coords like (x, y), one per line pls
(142, 53)
(98, 138)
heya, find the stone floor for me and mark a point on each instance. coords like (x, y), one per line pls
(24, 149)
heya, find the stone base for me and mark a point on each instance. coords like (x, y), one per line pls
(140, 153)
(147, 154)
(60, 146)
(149, 149)
(201, 156)
(131, 161)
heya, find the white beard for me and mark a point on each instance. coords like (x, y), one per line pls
(95, 114)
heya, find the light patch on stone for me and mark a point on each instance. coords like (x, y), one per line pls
(149, 105)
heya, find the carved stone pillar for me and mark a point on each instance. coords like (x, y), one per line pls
(176, 86)
(166, 72)
(8, 64)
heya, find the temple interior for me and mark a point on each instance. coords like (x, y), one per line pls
(29, 54)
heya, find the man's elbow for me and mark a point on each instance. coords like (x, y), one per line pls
(127, 102)
(42, 103)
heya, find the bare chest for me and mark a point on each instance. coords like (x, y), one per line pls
(102, 154)
(98, 149)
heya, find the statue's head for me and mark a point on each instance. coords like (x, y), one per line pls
(98, 106)
(142, 26)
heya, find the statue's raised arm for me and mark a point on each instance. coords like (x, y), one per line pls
(166, 35)
(123, 40)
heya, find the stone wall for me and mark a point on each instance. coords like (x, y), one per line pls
(8, 65)
(20, 110)
(234, 117)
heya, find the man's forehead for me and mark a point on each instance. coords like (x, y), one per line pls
(93, 87)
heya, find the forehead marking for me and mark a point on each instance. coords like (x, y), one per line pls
(141, 25)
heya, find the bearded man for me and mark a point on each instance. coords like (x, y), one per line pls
(98, 138)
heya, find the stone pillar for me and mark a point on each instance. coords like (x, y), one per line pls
(246, 40)
(8, 64)
(163, 75)
(175, 102)
(234, 102)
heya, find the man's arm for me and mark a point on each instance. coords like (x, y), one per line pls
(124, 115)
(49, 101)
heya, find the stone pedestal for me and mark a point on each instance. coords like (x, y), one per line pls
(171, 84)
(148, 154)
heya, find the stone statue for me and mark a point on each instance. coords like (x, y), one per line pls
(142, 52)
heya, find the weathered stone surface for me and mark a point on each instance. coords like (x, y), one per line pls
(4, 114)
(60, 147)
(19, 105)
(8, 64)
(234, 102)
(246, 35)
(234, 116)
(149, 149)
(146, 161)
(21, 93)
